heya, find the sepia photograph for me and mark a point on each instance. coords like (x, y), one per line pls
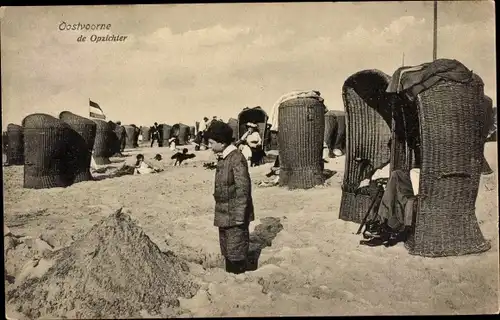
(250, 159)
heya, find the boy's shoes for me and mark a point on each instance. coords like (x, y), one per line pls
(236, 267)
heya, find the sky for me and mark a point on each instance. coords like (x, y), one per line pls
(180, 63)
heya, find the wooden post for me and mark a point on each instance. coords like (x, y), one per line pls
(434, 50)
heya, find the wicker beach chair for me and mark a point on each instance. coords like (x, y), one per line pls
(47, 145)
(83, 144)
(165, 133)
(129, 141)
(368, 133)
(192, 132)
(15, 144)
(255, 115)
(145, 131)
(183, 135)
(104, 142)
(300, 134)
(446, 125)
(233, 123)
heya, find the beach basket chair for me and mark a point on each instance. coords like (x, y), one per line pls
(83, 144)
(103, 144)
(233, 123)
(443, 126)
(255, 115)
(368, 133)
(145, 131)
(166, 132)
(15, 144)
(300, 134)
(130, 140)
(183, 134)
(47, 152)
(192, 132)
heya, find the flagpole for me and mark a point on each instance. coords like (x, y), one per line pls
(403, 62)
(434, 49)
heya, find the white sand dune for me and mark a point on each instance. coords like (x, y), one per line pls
(315, 265)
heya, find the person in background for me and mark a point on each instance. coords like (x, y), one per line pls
(172, 143)
(204, 127)
(180, 157)
(394, 216)
(234, 208)
(155, 134)
(253, 140)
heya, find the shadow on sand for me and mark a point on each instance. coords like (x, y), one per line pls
(262, 237)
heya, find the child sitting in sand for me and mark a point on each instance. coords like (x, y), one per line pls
(233, 198)
(180, 157)
(141, 167)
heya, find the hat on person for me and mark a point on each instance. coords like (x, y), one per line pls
(251, 125)
(220, 132)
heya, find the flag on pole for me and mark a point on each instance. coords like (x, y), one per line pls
(96, 111)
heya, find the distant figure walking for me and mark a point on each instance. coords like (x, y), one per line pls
(155, 135)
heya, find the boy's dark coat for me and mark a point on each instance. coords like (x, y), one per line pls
(233, 191)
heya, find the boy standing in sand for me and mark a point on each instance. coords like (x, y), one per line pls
(233, 198)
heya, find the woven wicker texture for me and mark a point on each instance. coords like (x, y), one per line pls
(83, 144)
(145, 131)
(452, 145)
(15, 144)
(104, 142)
(166, 133)
(47, 144)
(368, 132)
(130, 140)
(255, 115)
(300, 132)
(233, 123)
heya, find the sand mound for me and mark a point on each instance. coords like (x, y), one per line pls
(115, 270)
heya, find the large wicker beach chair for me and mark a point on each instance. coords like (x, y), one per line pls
(104, 142)
(183, 135)
(368, 133)
(446, 125)
(146, 134)
(47, 148)
(116, 138)
(83, 144)
(15, 144)
(300, 133)
(233, 123)
(166, 133)
(130, 140)
(255, 115)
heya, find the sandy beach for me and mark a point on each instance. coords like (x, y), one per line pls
(314, 266)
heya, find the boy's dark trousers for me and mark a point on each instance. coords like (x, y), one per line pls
(234, 244)
(155, 137)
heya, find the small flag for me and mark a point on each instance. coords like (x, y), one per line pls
(96, 111)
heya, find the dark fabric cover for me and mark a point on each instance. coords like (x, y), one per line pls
(419, 78)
